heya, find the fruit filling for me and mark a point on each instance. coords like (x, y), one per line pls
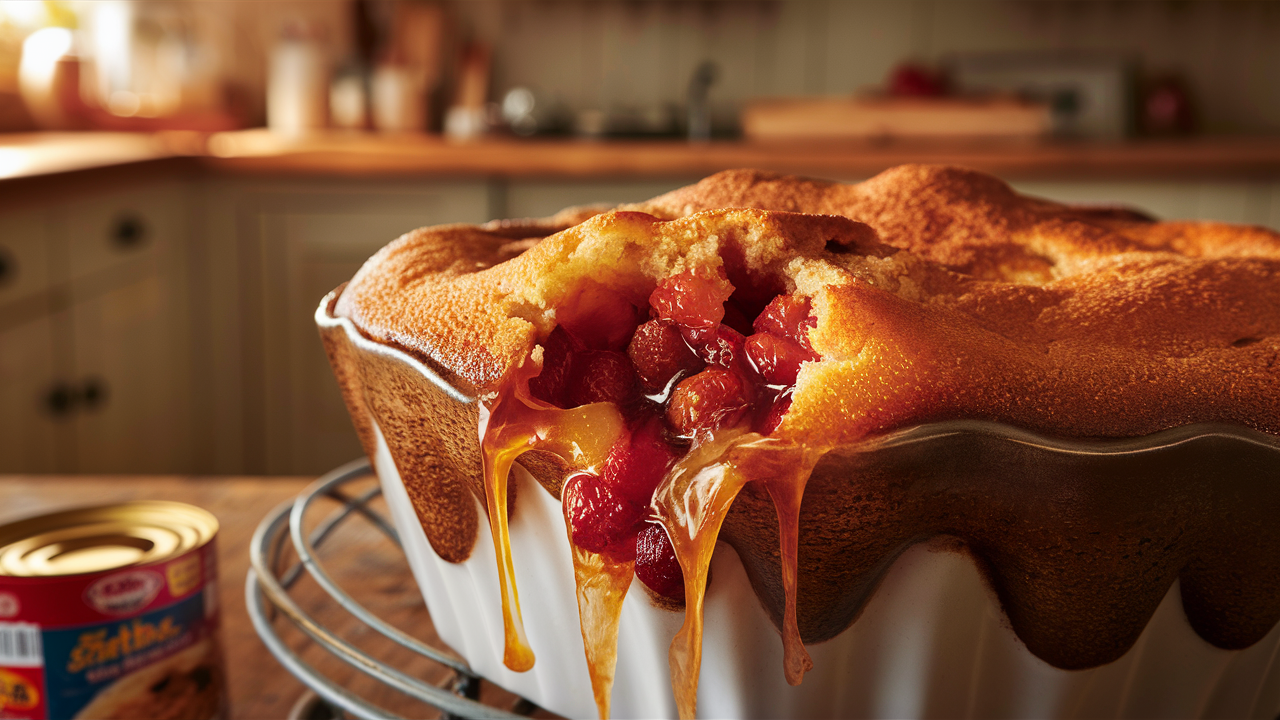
(676, 377)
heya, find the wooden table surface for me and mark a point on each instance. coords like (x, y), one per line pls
(357, 556)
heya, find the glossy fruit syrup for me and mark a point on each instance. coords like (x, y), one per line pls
(664, 413)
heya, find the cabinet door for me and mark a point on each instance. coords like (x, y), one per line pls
(24, 256)
(133, 398)
(310, 244)
(29, 427)
(543, 198)
(1233, 202)
(128, 324)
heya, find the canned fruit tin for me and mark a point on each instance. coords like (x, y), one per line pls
(111, 612)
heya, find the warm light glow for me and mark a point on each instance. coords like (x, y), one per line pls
(24, 13)
(124, 103)
(13, 162)
(38, 74)
(43, 47)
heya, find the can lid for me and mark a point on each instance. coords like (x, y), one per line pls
(108, 537)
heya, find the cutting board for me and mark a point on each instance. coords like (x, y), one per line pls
(885, 117)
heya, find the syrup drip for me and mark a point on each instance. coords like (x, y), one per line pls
(692, 503)
(791, 466)
(602, 585)
(516, 424)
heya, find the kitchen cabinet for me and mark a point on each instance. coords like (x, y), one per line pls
(132, 381)
(24, 257)
(1251, 203)
(529, 198)
(92, 335)
(29, 432)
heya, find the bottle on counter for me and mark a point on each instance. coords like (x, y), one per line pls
(298, 82)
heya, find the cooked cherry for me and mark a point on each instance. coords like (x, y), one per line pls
(601, 520)
(787, 316)
(720, 345)
(600, 318)
(708, 400)
(636, 464)
(659, 353)
(777, 359)
(602, 376)
(656, 563)
(770, 421)
(557, 361)
(691, 300)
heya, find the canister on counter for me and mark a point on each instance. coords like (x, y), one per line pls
(111, 612)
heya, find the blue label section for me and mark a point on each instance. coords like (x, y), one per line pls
(82, 661)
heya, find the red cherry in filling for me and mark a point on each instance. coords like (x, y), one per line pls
(599, 318)
(691, 300)
(659, 353)
(601, 520)
(636, 464)
(602, 376)
(656, 563)
(772, 419)
(551, 385)
(787, 316)
(720, 345)
(776, 359)
(708, 400)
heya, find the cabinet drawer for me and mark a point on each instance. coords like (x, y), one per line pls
(113, 230)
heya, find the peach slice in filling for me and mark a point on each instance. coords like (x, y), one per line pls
(683, 406)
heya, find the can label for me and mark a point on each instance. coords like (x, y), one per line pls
(136, 642)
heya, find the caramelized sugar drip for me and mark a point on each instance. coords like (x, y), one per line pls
(602, 584)
(692, 504)
(785, 469)
(514, 425)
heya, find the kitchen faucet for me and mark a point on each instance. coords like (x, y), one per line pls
(699, 111)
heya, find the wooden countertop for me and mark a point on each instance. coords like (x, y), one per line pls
(361, 154)
(256, 151)
(357, 557)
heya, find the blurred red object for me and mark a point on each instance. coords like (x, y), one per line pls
(1167, 107)
(915, 80)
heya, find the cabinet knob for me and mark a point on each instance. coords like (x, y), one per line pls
(8, 267)
(93, 393)
(60, 401)
(64, 398)
(129, 232)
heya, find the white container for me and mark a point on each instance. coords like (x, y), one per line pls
(932, 642)
(399, 104)
(298, 87)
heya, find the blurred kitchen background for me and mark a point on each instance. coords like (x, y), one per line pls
(181, 182)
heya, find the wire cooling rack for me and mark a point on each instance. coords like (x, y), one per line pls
(267, 594)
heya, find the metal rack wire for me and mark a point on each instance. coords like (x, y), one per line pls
(267, 596)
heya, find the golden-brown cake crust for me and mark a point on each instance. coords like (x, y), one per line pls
(957, 298)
